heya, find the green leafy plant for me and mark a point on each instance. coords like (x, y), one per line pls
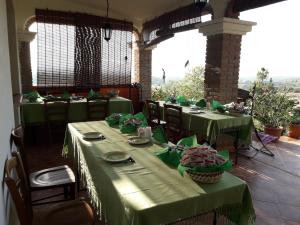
(190, 87)
(272, 106)
(296, 116)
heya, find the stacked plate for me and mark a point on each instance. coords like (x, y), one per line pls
(138, 140)
(93, 135)
(115, 156)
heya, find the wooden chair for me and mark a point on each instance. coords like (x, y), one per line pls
(97, 108)
(77, 212)
(154, 114)
(56, 116)
(174, 125)
(60, 176)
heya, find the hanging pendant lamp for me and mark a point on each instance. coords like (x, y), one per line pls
(200, 3)
(107, 27)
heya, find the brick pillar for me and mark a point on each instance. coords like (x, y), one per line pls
(222, 67)
(223, 49)
(143, 69)
(24, 38)
(25, 66)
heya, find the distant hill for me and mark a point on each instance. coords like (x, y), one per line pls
(157, 80)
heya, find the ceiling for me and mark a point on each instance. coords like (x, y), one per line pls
(137, 11)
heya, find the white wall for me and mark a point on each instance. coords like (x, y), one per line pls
(6, 107)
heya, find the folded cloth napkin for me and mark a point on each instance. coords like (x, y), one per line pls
(66, 95)
(171, 99)
(93, 94)
(172, 154)
(217, 106)
(129, 123)
(114, 119)
(182, 101)
(32, 96)
(201, 103)
(160, 135)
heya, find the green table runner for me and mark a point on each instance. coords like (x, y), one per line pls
(34, 112)
(149, 192)
(210, 124)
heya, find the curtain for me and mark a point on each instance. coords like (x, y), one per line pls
(72, 50)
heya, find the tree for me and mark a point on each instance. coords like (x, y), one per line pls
(191, 86)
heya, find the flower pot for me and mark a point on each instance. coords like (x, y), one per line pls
(274, 131)
(294, 131)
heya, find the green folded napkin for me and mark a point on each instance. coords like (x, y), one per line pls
(171, 99)
(32, 96)
(93, 94)
(160, 135)
(114, 119)
(66, 95)
(180, 99)
(129, 123)
(201, 103)
(217, 106)
(172, 154)
(216, 168)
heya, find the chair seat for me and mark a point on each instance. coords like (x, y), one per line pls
(266, 138)
(55, 176)
(77, 212)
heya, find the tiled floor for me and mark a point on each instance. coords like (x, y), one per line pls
(274, 181)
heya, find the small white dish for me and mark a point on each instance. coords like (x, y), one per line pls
(196, 111)
(92, 135)
(138, 140)
(115, 156)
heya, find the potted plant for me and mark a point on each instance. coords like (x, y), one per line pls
(294, 128)
(272, 106)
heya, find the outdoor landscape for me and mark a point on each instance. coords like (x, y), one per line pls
(192, 85)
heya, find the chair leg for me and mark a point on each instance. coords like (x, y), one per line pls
(72, 191)
(66, 192)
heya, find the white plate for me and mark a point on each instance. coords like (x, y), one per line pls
(196, 111)
(194, 108)
(92, 135)
(138, 140)
(115, 156)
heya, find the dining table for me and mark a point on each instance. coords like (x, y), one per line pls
(211, 123)
(34, 112)
(144, 190)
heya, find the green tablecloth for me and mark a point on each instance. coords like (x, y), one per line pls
(210, 124)
(34, 112)
(149, 192)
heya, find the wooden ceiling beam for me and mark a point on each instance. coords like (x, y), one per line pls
(243, 5)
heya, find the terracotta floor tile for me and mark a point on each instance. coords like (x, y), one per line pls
(268, 221)
(266, 209)
(290, 213)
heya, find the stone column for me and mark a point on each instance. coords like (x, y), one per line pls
(24, 38)
(143, 68)
(223, 50)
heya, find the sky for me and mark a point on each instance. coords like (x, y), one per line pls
(274, 43)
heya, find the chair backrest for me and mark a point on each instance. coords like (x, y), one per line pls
(153, 110)
(56, 110)
(173, 118)
(17, 135)
(97, 108)
(17, 184)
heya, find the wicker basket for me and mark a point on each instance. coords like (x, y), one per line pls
(207, 178)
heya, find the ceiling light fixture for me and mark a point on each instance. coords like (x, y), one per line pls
(107, 27)
(200, 3)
